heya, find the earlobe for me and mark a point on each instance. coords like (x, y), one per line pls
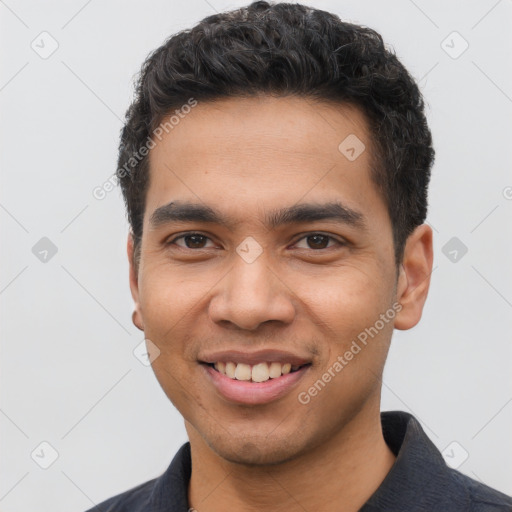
(414, 277)
(137, 319)
(134, 283)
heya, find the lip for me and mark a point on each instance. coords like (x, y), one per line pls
(253, 393)
(252, 358)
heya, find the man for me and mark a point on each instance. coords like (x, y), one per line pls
(275, 166)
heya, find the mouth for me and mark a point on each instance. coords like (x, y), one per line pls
(253, 379)
(260, 372)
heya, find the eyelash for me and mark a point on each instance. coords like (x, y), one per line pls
(340, 243)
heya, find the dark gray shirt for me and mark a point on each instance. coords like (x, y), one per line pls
(419, 481)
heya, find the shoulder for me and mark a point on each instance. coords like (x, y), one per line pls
(167, 492)
(421, 480)
(133, 500)
(481, 497)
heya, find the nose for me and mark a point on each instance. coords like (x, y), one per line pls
(251, 294)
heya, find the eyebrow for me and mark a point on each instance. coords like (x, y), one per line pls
(179, 211)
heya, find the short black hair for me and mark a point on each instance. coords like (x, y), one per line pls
(286, 49)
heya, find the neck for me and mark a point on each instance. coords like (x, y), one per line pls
(340, 474)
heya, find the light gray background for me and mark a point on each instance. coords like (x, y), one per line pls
(68, 374)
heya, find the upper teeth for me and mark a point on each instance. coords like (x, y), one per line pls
(257, 373)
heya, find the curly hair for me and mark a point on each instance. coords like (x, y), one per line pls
(286, 49)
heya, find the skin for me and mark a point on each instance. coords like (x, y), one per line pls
(245, 157)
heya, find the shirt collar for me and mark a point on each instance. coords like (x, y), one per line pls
(418, 466)
(419, 478)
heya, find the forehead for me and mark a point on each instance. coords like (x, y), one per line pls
(291, 124)
(262, 151)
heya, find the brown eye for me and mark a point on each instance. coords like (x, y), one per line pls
(191, 241)
(195, 241)
(317, 241)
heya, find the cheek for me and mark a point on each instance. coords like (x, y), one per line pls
(169, 292)
(347, 300)
(168, 301)
(346, 309)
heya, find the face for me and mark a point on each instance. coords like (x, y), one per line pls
(267, 253)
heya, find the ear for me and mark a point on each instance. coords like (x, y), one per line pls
(134, 283)
(414, 277)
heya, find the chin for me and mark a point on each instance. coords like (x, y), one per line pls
(257, 450)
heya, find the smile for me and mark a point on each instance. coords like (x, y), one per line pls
(260, 372)
(241, 388)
